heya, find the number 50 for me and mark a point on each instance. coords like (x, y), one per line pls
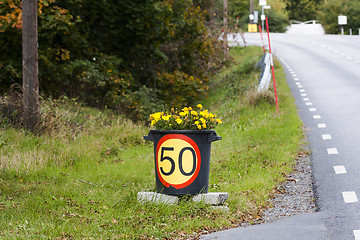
(180, 161)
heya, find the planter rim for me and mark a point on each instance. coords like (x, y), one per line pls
(182, 131)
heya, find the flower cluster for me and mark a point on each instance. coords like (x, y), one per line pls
(187, 119)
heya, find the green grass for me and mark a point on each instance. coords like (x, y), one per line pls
(80, 179)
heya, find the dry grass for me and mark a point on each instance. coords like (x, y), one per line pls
(25, 162)
(254, 98)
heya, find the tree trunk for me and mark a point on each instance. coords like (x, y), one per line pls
(251, 10)
(225, 29)
(30, 64)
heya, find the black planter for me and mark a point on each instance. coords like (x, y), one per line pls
(182, 160)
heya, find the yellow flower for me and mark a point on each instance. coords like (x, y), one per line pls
(157, 116)
(194, 113)
(199, 117)
(166, 118)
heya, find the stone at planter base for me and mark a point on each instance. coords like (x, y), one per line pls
(214, 198)
(154, 197)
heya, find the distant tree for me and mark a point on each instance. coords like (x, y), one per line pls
(331, 9)
(302, 10)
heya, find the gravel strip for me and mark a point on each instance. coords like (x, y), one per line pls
(295, 196)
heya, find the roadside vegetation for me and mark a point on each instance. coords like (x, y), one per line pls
(79, 178)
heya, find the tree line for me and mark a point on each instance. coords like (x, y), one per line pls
(132, 56)
(136, 56)
(283, 11)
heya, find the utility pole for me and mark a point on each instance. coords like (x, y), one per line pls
(225, 29)
(30, 64)
(252, 10)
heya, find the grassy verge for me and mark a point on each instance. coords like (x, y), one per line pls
(81, 179)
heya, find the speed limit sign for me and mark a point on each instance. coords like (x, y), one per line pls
(178, 160)
(182, 160)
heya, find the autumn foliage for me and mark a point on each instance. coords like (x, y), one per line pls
(135, 57)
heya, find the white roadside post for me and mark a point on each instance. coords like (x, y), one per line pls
(342, 20)
(262, 3)
(263, 14)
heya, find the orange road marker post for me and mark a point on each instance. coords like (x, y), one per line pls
(272, 67)
(262, 39)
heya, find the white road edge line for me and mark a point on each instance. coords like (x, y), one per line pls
(350, 197)
(339, 169)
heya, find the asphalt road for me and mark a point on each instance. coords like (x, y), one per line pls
(323, 72)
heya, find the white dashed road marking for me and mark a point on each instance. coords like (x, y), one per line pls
(350, 197)
(332, 151)
(321, 125)
(317, 117)
(357, 234)
(312, 109)
(326, 136)
(340, 169)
